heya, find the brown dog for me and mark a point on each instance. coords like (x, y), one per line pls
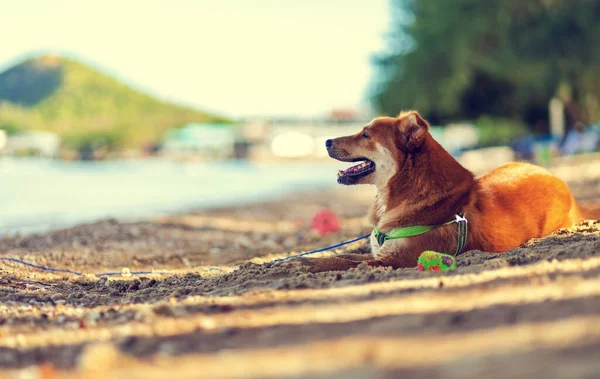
(419, 183)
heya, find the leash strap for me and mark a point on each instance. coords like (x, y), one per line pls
(65, 271)
(411, 231)
(323, 249)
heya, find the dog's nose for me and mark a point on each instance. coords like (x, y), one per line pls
(328, 143)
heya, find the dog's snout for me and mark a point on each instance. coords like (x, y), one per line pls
(328, 143)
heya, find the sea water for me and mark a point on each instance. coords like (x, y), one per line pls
(38, 194)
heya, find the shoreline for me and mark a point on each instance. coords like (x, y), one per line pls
(185, 241)
(149, 216)
(45, 195)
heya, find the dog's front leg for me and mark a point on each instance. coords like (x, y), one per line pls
(356, 257)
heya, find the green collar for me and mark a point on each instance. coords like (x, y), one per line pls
(411, 231)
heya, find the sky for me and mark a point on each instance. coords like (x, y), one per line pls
(239, 58)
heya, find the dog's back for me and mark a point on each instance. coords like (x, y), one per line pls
(519, 201)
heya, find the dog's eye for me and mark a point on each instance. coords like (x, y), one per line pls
(364, 135)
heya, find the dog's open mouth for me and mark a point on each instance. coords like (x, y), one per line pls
(357, 171)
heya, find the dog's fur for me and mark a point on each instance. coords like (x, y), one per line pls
(420, 183)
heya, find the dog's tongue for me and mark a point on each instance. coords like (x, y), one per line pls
(355, 168)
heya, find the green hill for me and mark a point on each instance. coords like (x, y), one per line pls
(84, 105)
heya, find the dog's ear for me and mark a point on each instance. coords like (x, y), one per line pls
(412, 129)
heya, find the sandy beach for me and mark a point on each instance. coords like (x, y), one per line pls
(221, 309)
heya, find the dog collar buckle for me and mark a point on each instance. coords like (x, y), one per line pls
(381, 237)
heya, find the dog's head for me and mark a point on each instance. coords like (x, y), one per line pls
(381, 147)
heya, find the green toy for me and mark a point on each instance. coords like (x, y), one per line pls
(433, 261)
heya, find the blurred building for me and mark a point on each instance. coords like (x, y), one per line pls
(300, 139)
(33, 142)
(211, 141)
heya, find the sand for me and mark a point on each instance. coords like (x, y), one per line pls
(223, 309)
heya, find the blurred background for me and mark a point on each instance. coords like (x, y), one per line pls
(130, 109)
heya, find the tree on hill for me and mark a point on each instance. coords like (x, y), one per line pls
(82, 105)
(464, 58)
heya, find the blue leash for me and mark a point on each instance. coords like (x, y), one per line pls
(50, 269)
(117, 273)
(323, 249)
